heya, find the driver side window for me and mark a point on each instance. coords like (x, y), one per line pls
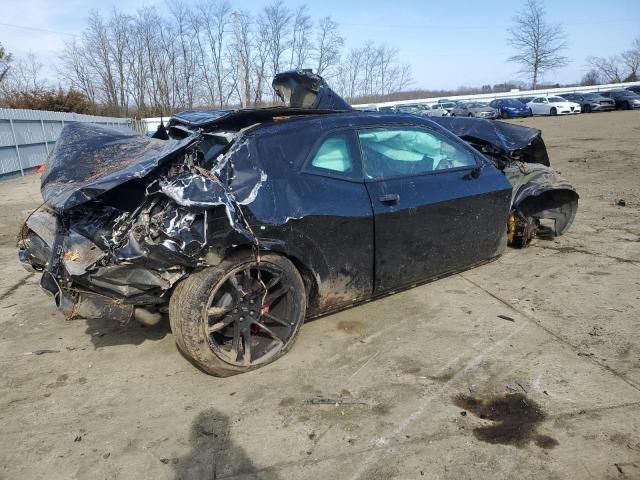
(393, 152)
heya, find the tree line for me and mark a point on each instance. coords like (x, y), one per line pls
(155, 62)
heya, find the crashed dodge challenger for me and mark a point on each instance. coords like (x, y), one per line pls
(242, 223)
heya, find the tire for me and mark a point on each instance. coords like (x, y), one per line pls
(470, 115)
(626, 106)
(553, 111)
(217, 342)
(587, 109)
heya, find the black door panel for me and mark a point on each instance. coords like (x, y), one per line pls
(437, 206)
(441, 222)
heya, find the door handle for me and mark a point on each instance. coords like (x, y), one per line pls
(390, 198)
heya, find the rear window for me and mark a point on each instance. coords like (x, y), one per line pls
(336, 156)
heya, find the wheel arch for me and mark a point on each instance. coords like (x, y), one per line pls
(557, 203)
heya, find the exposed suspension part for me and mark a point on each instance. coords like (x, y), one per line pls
(520, 229)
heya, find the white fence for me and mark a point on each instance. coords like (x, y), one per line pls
(27, 136)
(512, 94)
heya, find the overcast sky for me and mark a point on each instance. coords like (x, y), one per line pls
(448, 43)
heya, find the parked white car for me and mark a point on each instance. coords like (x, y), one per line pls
(553, 106)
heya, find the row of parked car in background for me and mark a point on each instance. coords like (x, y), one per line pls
(565, 104)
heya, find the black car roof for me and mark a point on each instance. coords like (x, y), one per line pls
(352, 118)
(211, 118)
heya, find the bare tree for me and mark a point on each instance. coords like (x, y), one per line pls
(25, 74)
(75, 69)
(400, 78)
(5, 60)
(609, 69)
(538, 43)
(329, 43)
(631, 59)
(261, 58)
(301, 44)
(350, 72)
(184, 63)
(118, 36)
(592, 77)
(278, 27)
(214, 19)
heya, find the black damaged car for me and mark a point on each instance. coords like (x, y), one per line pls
(242, 224)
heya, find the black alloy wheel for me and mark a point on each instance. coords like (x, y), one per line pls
(239, 315)
(247, 316)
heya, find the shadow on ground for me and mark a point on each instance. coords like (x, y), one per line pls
(213, 455)
(108, 333)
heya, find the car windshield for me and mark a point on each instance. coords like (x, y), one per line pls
(511, 102)
(556, 99)
(479, 105)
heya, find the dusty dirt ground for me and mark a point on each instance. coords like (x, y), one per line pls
(428, 383)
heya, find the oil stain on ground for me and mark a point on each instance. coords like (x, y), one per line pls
(516, 419)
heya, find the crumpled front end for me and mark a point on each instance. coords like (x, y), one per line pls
(127, 217)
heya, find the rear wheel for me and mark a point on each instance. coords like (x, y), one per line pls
(553, 111)
(587, 108)
(626, 106)
(239, 315)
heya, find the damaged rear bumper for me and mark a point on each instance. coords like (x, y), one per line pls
(69, 275)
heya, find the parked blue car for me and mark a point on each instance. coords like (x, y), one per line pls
(510, 108)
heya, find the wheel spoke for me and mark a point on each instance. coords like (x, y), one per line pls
(235, 343)
(216, 327)
(268, 331)
(274, 281)
(246, 346)
(278, 320)
(273, 297)
(217, 312)
(234, 283)
(246, 279)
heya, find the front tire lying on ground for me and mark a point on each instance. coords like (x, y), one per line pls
(239, 315)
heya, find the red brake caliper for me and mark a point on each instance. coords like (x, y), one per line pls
(265, 309)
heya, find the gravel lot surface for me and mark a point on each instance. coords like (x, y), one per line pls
(528, 367)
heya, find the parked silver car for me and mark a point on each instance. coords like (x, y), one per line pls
(423, 109)
(474, 109)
